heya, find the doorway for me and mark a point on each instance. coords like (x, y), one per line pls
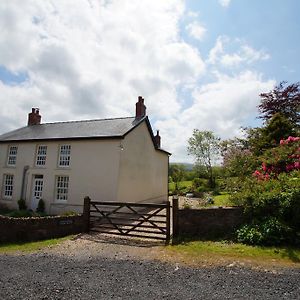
(37, 191)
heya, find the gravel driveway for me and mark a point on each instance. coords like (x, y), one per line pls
(97, 268)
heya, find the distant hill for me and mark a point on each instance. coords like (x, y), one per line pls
(188, 166)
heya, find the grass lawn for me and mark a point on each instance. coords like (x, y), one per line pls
(218, 253)
(181, 185)
(31, 246)
(222, 200)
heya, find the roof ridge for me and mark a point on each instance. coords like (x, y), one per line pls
(80, 121)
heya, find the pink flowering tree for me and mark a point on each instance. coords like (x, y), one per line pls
(282, 159)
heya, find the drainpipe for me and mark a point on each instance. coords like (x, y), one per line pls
(23, 189)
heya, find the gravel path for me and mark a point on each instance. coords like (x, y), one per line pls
(94, 268)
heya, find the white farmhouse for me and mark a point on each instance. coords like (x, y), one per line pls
(108, 159)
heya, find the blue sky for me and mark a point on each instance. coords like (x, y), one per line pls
(269, 25)
(198, 64)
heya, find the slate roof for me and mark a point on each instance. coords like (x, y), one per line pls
(77, 130)
(102, 128)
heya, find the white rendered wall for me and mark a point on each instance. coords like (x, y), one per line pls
(143, 169)
(93, 171)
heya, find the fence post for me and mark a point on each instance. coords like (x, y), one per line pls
(86, 213)
(175, 207)
(168, 215)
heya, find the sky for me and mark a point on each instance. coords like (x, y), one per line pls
(198, 64)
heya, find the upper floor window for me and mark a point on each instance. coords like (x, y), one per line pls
(12, 155)
(41, 155)
(8, 183)
(64, 156)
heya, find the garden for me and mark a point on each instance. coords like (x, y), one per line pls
(24, 212)
(258, 171)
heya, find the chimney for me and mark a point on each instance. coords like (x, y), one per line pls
(140, 108)
(157, 139)
(34, 118)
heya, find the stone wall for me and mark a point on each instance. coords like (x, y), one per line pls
(208, 222)
(33, 229)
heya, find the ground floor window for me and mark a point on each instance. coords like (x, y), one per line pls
(62, 188)
(8, 184)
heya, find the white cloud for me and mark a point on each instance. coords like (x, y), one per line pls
(217, 50)
(196, 30)
(222, 106)
(224, 3)
(243, 53)
(93, 58)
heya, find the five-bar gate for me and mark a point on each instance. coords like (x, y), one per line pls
(144, 220)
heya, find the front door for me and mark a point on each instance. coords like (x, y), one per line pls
(37, 191)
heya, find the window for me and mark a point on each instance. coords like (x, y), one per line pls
(41, 155)
(12, 155)
(8, 182)
(64, 156)
(62, 187)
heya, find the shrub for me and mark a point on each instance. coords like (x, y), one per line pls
(268, 232)
(22, 204)
(41, 206)
(282, 159)
(249, 234)
(278, 200)
(20, 214)
(199, 182)
(186, 205)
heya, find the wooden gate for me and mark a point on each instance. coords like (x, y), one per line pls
(144, 220)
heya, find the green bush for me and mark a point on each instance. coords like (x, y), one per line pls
(278, 200)
(22, 204)
(268, 232)
(20, 214)
(199, 182)
(41, 206)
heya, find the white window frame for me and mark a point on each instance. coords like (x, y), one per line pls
(12, 155)
(62, 188)
(8, 186)
(41, 155)
(64, 156)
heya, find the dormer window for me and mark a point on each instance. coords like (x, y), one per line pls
(12, 155)
(64, 156)
(41, 155)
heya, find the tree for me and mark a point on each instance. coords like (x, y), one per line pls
(238, 160)
(204, 146)
(283, 99)
(269, 136)
(176, 171)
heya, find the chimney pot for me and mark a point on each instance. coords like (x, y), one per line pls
(140, 108)
(34, 118)
(157, 139)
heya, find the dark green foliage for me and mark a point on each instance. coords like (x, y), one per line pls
(41, 206)
(269, 136)
(275, 206)
(278, 128)
(22, 204)
(20, 214)
(200, 186)
(176, 171)
(268, 232)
